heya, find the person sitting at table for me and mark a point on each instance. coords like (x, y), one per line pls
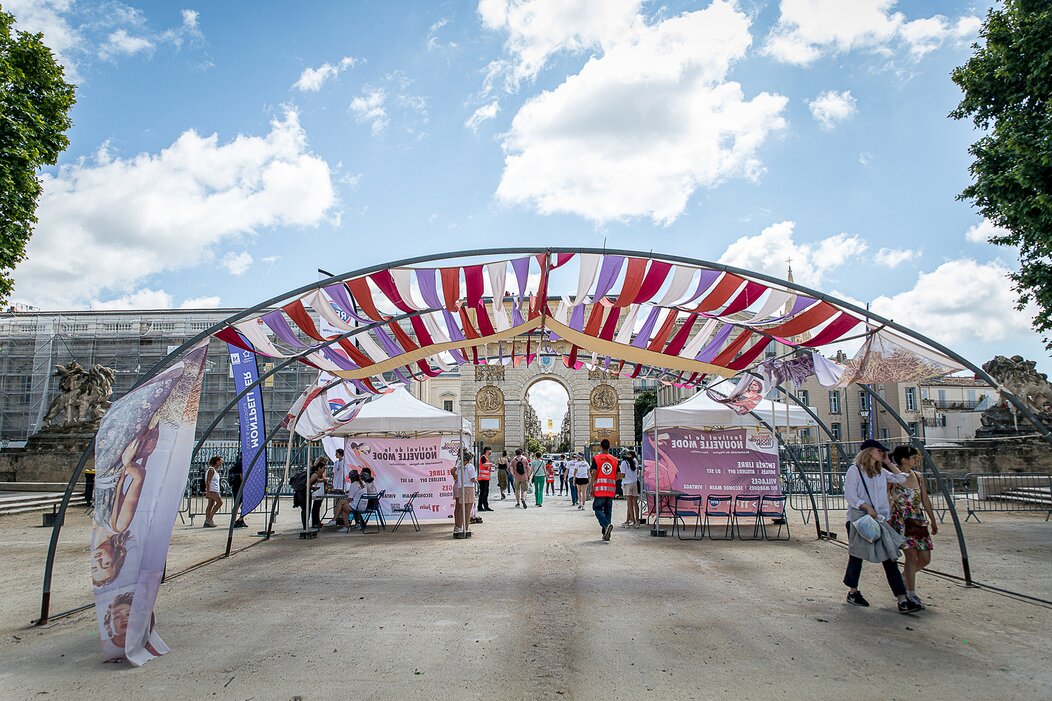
(369, 495)
(347, 508)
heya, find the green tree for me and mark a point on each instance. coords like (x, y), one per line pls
(34, 116)
(1007, 86)
(534, 446)
(645, 403)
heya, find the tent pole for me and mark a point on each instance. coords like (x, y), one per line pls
(237, 497)
(284, 477)
(656, 530)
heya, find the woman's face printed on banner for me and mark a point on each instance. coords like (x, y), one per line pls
(107, 559)
(116, 620)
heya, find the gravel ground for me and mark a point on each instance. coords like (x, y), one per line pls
(536, 606)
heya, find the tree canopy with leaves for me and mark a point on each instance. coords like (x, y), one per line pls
(35, 101)
(1007, 87)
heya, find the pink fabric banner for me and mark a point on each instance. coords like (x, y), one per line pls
(722, 461)
(402, 466)
(142, 457)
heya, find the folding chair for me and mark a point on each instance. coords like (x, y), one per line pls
(718, 505)
(370, 510)
(692, 509)
(773, 506)
(406, 509)
(747, 506)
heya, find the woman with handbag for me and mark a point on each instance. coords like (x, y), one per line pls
(870, 537)
(907, 517)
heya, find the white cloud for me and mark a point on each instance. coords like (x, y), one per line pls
(369, 108)
(120, 43)
(832, 107)
(200, 303)
(140, 299)
(809, 29)
(312, 79)
(487, 111)
(961, 300)
(981, 232)
(237, 263)
(640, 128)
(537, 29)
(432, 37)
(865, 158)
(771, 250)
(107, 224)
(894, 257)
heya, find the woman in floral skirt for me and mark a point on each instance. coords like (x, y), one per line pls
(909, 504)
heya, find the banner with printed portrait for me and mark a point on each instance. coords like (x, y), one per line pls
(402, 466)
(719, 461)
(142, 458)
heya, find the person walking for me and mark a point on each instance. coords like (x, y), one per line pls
(484, 472)
(502, 475)
(234, 478)
(560, 468)
(866, 494)
(604, 487)
(578, 478)
(520, 472)
(630, 488)
(539, 475)
(549, 478)
(907, 517)
(215, 499)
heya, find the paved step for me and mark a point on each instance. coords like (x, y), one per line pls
(33, 501)
(1022, 499)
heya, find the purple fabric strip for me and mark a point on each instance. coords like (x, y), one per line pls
(344, 363)
(275, 321)
(577, 318)
(800, 304)
(393, 349)
(452, 327)
(458, 357)
(426, 279)
(553, 336)
(338, 294)
(608, 273)
(713, 348)
(521, 266)
(643, 337)
(704, 283)
(401, 377)
(516, 314)
(360, 386)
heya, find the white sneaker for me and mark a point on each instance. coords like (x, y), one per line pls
(343, 529)
(332, 522)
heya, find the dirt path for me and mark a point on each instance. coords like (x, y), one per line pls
(535, 606)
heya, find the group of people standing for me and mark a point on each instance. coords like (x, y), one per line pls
(518, 475)
(886, 487)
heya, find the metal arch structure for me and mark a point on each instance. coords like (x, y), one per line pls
(864, 314)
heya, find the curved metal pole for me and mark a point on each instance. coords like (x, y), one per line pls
(241, 489)
(938, 478)
(177, 352)
(799, 468)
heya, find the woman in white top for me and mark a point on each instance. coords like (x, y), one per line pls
(464, 479)
(215, 500)
(630, 488)
(866, 492)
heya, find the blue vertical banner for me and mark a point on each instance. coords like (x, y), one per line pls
(253, 427)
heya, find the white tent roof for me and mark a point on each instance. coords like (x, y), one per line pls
(700, 411)
(401, 412)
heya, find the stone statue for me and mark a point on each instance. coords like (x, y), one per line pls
(1020, 377)
(84, 395)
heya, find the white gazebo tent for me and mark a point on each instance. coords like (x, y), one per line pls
(396, 412)
(701, 411)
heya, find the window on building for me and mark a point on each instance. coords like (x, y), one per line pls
(911, 399)
(864, 428)
(834, 402)
(971, 395)
(942, 397)
(25, 389)
(914, 428)
(884, 434)
(834, 428)
(924, 392)
(802, 396)
(805, 435)
(863, 400)
(447, 404)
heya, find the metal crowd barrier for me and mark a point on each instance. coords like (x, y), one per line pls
(1005, 493)
(828, 490)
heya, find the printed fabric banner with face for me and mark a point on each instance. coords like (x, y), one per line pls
(142, 458)
(720, 461)
(402, 466)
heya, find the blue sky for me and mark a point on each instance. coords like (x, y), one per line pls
(222, 152)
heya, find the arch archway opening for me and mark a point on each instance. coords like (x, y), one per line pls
(548, 420)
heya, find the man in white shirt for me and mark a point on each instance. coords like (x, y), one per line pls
(339, 472)
(465, 477)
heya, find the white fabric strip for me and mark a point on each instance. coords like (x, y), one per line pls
(320, 303)
(776, 301)
(693, 346)
(253, 331)
(624, 334)
(682, 279)
(370, 347)
(588, 268)
(403, 280)
(438, 334)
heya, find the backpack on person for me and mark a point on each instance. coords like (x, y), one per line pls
(298, 481)
(520, 465)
